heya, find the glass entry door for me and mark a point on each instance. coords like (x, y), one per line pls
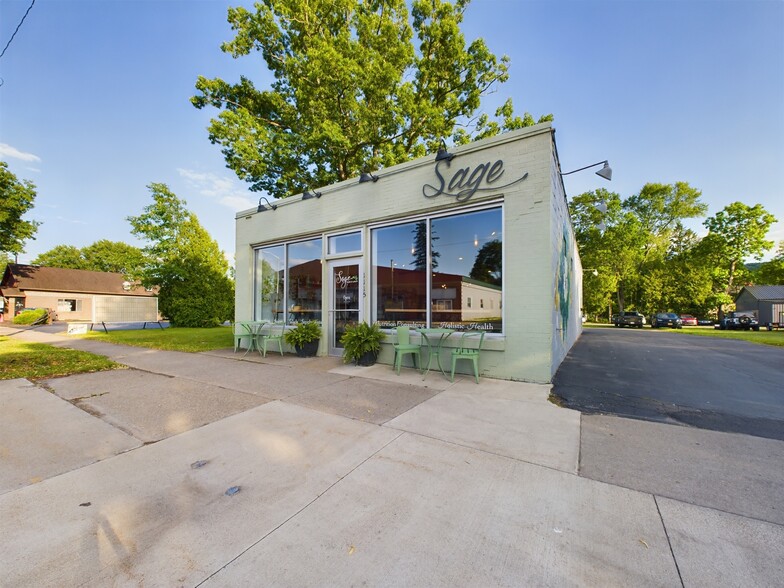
(345, 299)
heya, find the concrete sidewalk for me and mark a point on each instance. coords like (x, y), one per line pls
(340, 475)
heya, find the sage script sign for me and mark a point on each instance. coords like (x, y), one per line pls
(465, 181)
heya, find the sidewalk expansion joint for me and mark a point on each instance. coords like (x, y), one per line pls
(669, 542)
(501, 455)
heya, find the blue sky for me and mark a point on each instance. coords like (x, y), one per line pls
(94, 103)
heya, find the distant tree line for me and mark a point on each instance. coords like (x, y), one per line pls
(641, 257)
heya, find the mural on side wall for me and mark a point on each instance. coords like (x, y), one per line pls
(563, 285)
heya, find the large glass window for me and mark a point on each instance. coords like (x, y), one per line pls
(270, 283)
(288, 282)
(304, 281)
(400, 275)
(462, 254)
(466, 261)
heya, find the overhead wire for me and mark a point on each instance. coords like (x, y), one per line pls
(17, 28)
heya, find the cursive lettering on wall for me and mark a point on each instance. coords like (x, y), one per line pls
(465, 182)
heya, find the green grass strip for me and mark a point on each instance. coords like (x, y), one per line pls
(171, 339)
(20, 359)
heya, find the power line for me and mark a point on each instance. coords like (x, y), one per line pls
(17, 28)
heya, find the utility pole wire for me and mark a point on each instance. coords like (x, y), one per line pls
(17, 28)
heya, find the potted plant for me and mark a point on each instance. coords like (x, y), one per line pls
(304, 338)
(361, 343)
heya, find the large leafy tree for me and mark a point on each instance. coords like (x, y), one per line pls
(358, 85)
(630, 253)
(737, 232)
(184, 261)
(16, 199)
(101, 256)
(65, 256)
(772, 272)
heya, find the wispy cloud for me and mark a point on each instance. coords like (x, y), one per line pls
(8, 151)
(70, 220)
(225, 190)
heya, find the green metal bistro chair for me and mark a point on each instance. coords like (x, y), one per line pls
(243, 331)
(467, 350)
(273, 335)
(404, 347)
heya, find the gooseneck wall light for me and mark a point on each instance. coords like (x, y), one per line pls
(443, 153)
(269, 206)
(366, 177)
(605, 172)
(307, 195)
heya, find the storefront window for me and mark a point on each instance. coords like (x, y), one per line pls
(399, 276)
(466, 261)
(270, 285)
(464, 258)
(304, 281)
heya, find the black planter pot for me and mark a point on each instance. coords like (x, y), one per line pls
(367, 358)
(307, 350)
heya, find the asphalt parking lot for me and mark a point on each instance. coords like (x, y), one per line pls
(716, 384)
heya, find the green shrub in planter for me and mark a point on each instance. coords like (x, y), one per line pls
(361, 343)
(304, 338)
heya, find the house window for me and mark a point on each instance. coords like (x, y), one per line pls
(288, 282)
(461, 255)
(69, 305)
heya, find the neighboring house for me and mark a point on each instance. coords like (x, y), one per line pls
(74, 295)
(767, 301)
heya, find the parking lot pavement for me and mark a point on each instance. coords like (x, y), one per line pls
(718, 384)
(726, 471)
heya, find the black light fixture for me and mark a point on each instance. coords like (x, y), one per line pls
(308, 195)
(262, 208)
(366, 177)
(443, 153)
(605, 172)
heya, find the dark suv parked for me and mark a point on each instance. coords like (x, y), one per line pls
(629, 319)
(739, 320)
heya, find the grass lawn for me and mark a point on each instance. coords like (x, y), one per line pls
(763, 336)
(171, 339)
(20, 359)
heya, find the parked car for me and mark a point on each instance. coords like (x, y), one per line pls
(666, 319)
(629, 319)
(689, 320)
(738, 320)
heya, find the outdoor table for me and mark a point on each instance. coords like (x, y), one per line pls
(253, 329)
(434, 339)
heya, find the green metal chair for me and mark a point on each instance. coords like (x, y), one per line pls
(467, 350)
(273, 335)
(405, 347)
(243, 331)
